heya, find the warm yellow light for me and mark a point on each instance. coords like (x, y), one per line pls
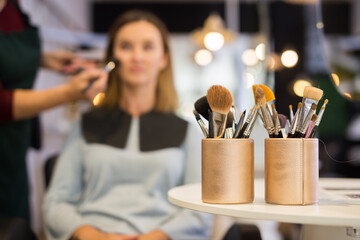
(336, 79)
(289, 58)
(260, 51)
(249, 57)
(203, 57)
(299, 86)
(213, 41)
(320, 25)
(98, 98)
(348, 95)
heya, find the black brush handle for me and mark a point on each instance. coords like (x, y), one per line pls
(91, 82)
(241, 134)
(313, 131)
(211, 125)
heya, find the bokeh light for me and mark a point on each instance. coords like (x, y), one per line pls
(249, 57)
(203, 57)
(336, 79)
(98, 99)
(260, 51)
(213, 41)
(289, 58)
(299, 86)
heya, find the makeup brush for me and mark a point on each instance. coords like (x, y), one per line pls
(283, 120)
(276, 124)
(251, 124)
(318, 120)
(301, 133)
(311, 125)
(108, 68)
(247, 122)
(269, 95)
(220, 102)
(291, 112)
(310, 95)
(201, 123)
(239, 124)
(261, 100)
(294, 122)
(202, 107)
(229, 130)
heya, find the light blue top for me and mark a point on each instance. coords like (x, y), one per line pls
(124, 190)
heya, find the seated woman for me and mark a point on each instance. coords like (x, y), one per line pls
(112, 178)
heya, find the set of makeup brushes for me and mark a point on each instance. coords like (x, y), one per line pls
(217, 108)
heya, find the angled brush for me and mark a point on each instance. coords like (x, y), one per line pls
(202, 107)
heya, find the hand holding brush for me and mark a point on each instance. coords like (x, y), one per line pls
(108, 68)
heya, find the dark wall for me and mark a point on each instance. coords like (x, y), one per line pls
(179, 17)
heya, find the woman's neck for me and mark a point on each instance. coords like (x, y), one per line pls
(138, 100)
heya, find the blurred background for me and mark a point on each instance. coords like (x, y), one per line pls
(284, 44)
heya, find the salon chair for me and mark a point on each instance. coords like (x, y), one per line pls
(15, 229)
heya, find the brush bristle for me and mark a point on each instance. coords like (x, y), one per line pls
(299, 105)
(313, 93)
(219, 99)
(282, 120)
(269, 95)
(202, 107)
(254, 88)
(260, 96)
(314, 117)
(313, 106)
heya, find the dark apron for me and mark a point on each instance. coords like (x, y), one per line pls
(19, 61)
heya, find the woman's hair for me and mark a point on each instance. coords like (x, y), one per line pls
(166, 97)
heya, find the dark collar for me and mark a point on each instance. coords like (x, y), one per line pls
(157, 130)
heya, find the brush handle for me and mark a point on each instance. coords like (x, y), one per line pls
(313, 131)
(203, 128)
(219, 123)
(239, 125)
(243, 130)
(250, 127)
(211, 125)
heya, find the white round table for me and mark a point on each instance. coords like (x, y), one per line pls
(337, 211)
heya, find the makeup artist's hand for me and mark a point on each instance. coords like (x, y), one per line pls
(154, 235)
(65, 62)
(79, 82)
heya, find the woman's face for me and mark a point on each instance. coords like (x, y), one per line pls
(139, 48)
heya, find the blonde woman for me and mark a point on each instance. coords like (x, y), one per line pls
(112, 178)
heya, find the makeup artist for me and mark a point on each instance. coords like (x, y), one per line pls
(112, 178)
(20, 58)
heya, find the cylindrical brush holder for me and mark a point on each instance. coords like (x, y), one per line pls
(227, 169)
(291, 171)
